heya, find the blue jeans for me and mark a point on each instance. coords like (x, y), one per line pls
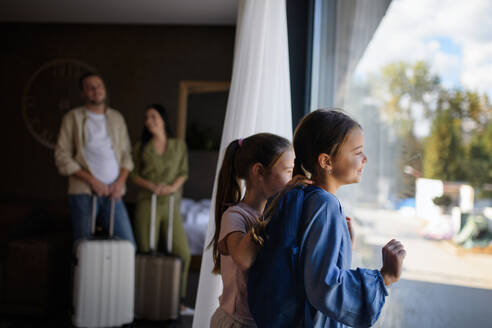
(81, 213)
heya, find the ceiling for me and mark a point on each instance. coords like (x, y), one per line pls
(182, 12)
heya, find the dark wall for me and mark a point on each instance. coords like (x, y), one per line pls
(141, 65)
(203, 136)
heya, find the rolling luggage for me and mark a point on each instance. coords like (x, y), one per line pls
(103, 282)
(158, 276)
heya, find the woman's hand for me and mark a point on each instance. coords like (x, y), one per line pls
(163, 189)
(393, 255)
(166, 190)
(155, 189)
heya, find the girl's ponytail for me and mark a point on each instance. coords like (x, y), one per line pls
(228, 193)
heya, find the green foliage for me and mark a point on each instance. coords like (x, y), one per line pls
(479, 159)
(459, 147)
(410, 147)
(443, 149)
(402, 86)
(405, 85)
(459, 151)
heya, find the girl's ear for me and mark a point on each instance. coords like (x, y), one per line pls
(257, 170)
(325, 161)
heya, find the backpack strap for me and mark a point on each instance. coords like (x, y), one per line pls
(309, 310)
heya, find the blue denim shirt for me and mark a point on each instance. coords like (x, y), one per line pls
(341, 296)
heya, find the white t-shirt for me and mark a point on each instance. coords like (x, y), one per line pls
(99, 151)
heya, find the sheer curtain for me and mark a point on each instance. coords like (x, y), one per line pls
(342, 31)
(259, 101)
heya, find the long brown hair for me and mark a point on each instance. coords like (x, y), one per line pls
(240, 155)
(147, 135)
(322, 131)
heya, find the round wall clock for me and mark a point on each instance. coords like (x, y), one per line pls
(51, 92)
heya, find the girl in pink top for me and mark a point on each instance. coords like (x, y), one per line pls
(265, 162)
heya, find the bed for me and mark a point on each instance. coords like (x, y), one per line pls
(195, 215)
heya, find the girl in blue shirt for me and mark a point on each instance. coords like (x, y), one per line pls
(329, 149)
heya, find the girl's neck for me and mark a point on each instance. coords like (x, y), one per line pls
(328, 183)
(254, 200)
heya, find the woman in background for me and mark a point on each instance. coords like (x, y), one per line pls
(161, 168)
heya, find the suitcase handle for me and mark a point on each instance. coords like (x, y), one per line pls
(93, 216)
(153, 209)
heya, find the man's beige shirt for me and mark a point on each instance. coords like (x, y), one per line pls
(69, 150)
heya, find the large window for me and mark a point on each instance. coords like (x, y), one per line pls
(420, 87)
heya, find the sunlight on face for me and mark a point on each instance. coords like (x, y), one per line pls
(350, 161)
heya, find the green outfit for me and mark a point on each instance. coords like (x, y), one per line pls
(161, 169)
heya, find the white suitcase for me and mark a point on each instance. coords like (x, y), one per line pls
(104, 280)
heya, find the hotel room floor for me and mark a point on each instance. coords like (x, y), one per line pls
(62, 322)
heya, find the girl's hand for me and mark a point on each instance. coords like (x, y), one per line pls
(299, 179)
(351, 230)
(393, 255)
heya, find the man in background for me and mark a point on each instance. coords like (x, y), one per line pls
(94, 151)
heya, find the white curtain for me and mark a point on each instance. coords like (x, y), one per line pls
(259, 101)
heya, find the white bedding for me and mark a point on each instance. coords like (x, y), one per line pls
(195, 215)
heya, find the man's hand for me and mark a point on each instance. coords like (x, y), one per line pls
(100, 188)
(116, 189)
